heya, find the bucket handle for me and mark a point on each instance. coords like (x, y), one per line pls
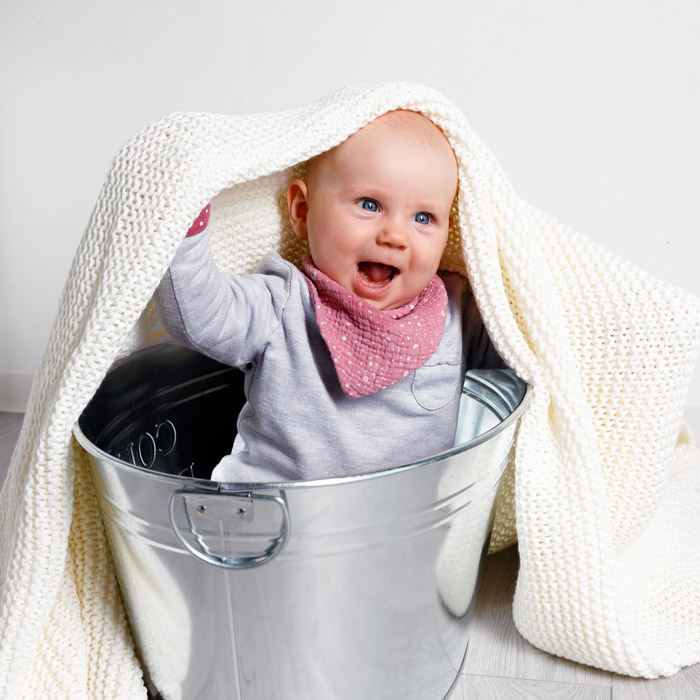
(203, 551)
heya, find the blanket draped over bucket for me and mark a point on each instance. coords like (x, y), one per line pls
(604, 497)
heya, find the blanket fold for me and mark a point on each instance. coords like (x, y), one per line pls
(605, 504)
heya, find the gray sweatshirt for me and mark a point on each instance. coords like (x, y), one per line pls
(297, 422)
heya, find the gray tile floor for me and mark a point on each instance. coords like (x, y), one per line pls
(500, 663)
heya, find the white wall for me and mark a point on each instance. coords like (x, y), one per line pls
(591, 107)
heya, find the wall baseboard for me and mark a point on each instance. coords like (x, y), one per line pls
(14, 391)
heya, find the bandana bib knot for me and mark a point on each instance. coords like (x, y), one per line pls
(371, 348)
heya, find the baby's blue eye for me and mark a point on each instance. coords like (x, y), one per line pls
(369, 205)
(422, 217)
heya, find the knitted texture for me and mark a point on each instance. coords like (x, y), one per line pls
(607, 508)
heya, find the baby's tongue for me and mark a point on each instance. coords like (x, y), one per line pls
(375, 273)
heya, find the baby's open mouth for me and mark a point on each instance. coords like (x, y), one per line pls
(375, 273)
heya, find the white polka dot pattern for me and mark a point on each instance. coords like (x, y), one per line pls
(372, 349)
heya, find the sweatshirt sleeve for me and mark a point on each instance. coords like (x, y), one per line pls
(224, 316)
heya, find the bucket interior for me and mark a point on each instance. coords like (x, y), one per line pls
(168, 410)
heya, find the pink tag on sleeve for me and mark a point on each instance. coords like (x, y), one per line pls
(200, 223)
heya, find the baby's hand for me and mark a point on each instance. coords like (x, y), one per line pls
(200, 222)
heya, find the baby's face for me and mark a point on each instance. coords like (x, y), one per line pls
(376, 210)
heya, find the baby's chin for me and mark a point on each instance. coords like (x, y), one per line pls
(382, 290)
(392, 299)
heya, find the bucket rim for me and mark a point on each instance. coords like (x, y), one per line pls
(238, 487)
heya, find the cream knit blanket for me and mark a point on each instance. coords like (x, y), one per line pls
(607, 506)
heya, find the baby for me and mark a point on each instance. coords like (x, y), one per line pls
(355, 363)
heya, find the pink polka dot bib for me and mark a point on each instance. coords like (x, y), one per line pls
(371, 348)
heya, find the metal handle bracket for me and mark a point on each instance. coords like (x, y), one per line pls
(208, 507)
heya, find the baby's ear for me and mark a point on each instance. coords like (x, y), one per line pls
(297, 202)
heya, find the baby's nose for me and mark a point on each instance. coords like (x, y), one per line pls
(393, 234)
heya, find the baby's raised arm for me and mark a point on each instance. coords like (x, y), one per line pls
(224, 316)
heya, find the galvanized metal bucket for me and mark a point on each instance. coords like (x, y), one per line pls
(343, 588)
